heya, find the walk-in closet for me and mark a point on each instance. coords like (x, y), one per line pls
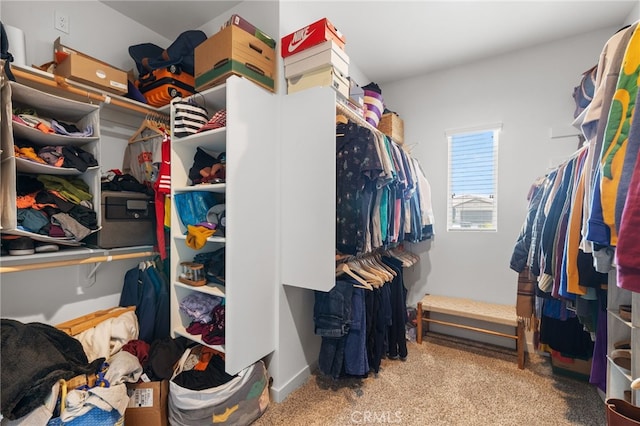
(319, 213)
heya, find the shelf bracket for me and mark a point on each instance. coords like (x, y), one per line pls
(87, 273)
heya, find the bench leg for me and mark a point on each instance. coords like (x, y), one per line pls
(419, 323)
(520, 342)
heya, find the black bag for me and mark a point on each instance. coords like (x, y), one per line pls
(177, 57)
(4, 53)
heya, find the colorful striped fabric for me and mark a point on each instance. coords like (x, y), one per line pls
(374, 107)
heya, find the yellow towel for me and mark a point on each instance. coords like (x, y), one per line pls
(197, 236)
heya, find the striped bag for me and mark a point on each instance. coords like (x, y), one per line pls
(189, 117)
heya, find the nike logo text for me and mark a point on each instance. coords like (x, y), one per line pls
(299, 37)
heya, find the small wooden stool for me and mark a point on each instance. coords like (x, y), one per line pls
(465, 308)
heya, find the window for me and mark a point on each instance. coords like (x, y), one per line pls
(473, 177)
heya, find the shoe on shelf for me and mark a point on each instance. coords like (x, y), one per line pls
(622, 344)
(21, 246)
(42, 247)
(622, 358)
(625, 312)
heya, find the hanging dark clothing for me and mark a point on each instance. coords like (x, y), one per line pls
(397, 334)
(376, 327)
(332, 319)
(147, 291)
(357, 162)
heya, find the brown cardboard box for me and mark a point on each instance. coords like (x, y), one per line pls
(84, 69)
(393, 126)
(234, 51)
(572, 367)
(147, 404)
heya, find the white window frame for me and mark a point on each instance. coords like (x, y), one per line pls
(450, 134)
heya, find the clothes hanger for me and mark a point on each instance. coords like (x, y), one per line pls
(372, 279)
(341, 119)
(148, 123)
(377, 269)
(343, 268)
(378, 258)
(404, 256)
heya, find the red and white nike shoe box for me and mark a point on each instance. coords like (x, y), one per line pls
(318, 56)
(310, 35)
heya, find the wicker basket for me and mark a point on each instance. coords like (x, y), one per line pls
(392, 126)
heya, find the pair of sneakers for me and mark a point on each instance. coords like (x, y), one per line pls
(22, 246)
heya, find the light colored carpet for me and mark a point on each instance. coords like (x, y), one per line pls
(445, 381)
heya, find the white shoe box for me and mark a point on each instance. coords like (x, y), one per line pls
(318, 56)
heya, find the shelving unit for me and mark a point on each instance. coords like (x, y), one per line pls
(250, 239)
(45, 104)
(618, 379)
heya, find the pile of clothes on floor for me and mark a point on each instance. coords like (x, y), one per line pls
(52, 378)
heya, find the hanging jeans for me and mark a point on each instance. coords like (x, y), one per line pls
(332, 319)
(355, 355)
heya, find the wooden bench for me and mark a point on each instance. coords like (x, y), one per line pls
(465, 308)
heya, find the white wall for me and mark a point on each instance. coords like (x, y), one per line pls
(530, 92)
(58, 294)
(634, 15)
(94, 29)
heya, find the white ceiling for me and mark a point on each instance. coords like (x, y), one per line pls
(390, 40)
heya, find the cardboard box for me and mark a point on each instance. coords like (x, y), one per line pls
(318, 56)
(230, 67)
(251, 29)
(77, 66)
(309, 36)
(147, 404)
(571, 367)
(356, 93)
(393, 126)
(327, 76)
(234, 51)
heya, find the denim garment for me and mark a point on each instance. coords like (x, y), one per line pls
(332, 310)
(355, 352)
(331, 358)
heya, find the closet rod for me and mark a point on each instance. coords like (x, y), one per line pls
(64, 84)
(360, 120)
(60, 263)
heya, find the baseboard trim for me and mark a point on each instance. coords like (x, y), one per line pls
(279, 394)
